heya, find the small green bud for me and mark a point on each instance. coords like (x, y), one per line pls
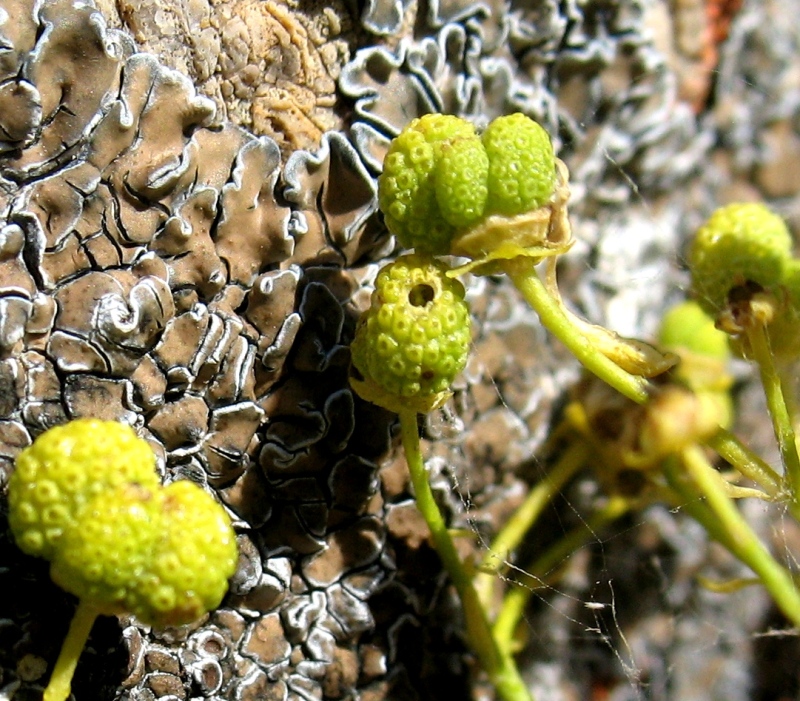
(687, 326)
(739, 244)
(87, 497)
(703, 349)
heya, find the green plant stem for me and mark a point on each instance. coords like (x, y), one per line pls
(498, 664)
(776, 404)
(754, 468)
(746, 461)
(523, 274)
(739, 537)
(79, 628)
(531, 578)
(521, 522)
(787, 373)
(682, 494)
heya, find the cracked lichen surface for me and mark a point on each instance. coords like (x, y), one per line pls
(270, 66)
(170, 258)
(167, 269)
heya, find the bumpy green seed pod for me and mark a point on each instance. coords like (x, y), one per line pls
(739, 244)
(522, 172)
(460, 181)
(191, 561)
(407, 187)
(65, 468)
(414, 339)
(105, 551)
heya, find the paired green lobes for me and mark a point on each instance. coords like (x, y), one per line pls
(407, 189)
(415, 337)
(164, 555)
(440, 178)
(87, 497)
(740, 243)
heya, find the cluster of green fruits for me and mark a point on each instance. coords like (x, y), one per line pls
(447, 190)
(86, 497)
(492, 198)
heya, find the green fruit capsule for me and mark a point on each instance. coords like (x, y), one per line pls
(741, 243)
(414, 339)
(522, 172)
(105, 551)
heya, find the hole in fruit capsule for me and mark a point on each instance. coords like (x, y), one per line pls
(420, 295)
(427, 374)
(744, 292)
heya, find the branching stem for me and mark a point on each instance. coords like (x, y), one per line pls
(731, 529)
(523, 274)
(533, 577)
(523, 519)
